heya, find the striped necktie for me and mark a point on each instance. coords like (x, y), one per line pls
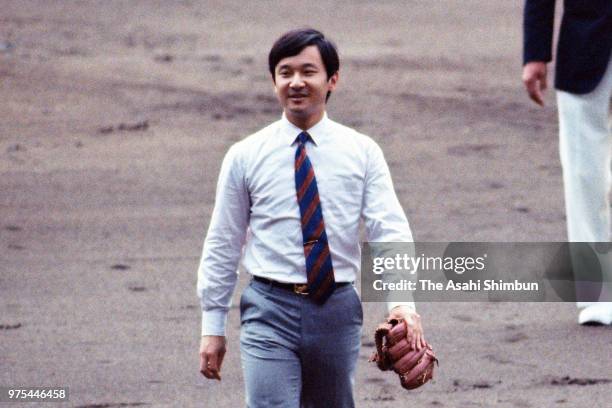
(319, 269)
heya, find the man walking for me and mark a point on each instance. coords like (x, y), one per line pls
(300, 186)
(584, 86)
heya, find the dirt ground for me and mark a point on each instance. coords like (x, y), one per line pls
(115, 117)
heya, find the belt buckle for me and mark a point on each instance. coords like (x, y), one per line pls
(300, 289)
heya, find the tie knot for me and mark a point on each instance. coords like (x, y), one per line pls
(303, 138)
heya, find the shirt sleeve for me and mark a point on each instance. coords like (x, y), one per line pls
(382, 212)
(218, 270)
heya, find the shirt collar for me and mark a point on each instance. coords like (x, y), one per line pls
(317, 132)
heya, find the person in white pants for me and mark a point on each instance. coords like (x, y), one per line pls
(585, 141)
(584, 87)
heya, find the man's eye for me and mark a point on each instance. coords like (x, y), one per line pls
(310, 72)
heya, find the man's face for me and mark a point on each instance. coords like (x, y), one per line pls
(301, 85)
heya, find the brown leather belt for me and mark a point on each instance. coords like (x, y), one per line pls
(297, 288)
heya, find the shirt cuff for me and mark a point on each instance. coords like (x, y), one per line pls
(213, 322)
(409, 305)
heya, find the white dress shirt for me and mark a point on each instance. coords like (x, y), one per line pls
(256, 209)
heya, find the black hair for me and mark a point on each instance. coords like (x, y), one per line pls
(293, 42)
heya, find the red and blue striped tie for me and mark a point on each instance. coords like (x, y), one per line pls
(319, 269)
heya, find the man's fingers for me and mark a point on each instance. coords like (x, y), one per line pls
(423, 341)
(214, 367)
(537, 94)
(417, 342)
(533, 89)
(412, 339)
(208, 366)
(414, 332)
(211, 374)
(205, 367)
(534, 79)
(212, 351)
(203, 363)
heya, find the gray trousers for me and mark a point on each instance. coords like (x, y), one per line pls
(296, 353)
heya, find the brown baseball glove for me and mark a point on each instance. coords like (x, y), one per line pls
(415, 367)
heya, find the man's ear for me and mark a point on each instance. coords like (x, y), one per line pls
(333, 81)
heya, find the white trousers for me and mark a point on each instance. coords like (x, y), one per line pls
(585, 143)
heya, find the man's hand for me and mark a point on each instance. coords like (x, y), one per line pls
(534, 78)
(212, 351)
(415, 335)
